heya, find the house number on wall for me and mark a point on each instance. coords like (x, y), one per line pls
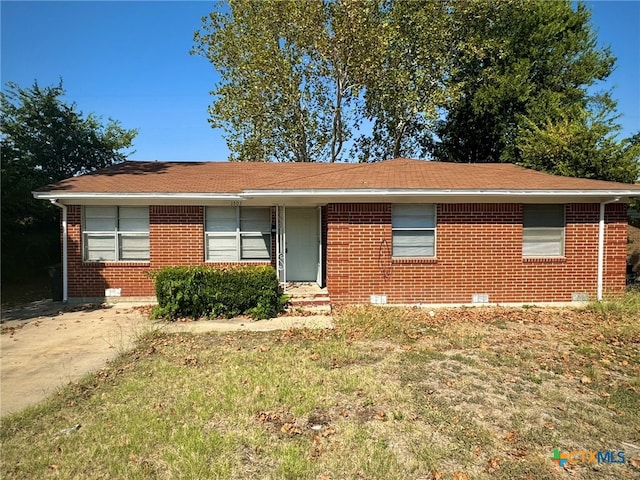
(236, 203)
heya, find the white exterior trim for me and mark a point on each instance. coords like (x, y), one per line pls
(601, 233)
(120, 196)
(320, 259)
(65, 268)
(348, 193)
(434, 192)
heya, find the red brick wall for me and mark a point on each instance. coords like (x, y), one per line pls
(478, 250)
(176, 237)
(90, 279)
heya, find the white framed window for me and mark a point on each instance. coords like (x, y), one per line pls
(543, 231)
(113, 234)
(235, 234)
(414, 230)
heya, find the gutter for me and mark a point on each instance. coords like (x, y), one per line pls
(57, 196)
(601, 232)
(340, 193)
(433, 192)
(65, 272)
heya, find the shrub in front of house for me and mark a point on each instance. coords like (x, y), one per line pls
(196, 292)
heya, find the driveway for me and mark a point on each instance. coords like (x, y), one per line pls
(45, 345)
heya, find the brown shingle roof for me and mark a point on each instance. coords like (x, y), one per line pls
(225, 177)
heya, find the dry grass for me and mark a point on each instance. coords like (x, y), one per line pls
(390, 393)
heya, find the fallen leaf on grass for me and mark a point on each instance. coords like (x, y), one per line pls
(518, 453)
(493, 464)
(290, 429)
(327, 432)
(635, 462)
(585, 379)
(457, 475)
(380, 416)
(436, 475)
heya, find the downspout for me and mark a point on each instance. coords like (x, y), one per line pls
(64, 249)
(601, 233)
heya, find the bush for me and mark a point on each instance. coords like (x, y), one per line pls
(197, 292)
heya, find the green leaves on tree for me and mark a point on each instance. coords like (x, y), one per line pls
(453, 80)
(43, 140)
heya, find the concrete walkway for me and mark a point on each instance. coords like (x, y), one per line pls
(45, 345)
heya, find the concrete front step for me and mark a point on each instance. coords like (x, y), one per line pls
(308, 298)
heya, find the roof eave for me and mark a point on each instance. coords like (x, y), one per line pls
(333, 194)
(57, 195)
(440, 192)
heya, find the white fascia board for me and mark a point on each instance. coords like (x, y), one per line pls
(369, 194)
(61, 196)
(440, 193)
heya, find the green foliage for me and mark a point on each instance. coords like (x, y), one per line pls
(627, 305)
(196, 292)
(44, 140)
(299, 79)
(582, 146)
(524, 71)
(481, 81)
(274, 100)
(404, 87)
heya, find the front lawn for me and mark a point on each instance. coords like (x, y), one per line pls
(389, 394)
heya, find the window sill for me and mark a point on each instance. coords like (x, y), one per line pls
(556, 260)
(119, 263)
(414, 260)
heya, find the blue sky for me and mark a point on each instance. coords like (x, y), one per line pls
(130, 61)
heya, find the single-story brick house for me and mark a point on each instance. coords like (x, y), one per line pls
(399, 231)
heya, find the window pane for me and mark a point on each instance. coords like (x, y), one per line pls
(133, 219)
(407, 243)
(255, 246)
(100, 247)
(134, 247)
(100, 219)
(413, 216)
(543, 216)
(542, 242)
(221, 248)
(221, 219)
(543, 231)
(255, 220)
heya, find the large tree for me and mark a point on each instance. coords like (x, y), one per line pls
(43, 140)
(300, 81)
(525, 71)
(285, 78)
(479, 81)
(405, 86)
